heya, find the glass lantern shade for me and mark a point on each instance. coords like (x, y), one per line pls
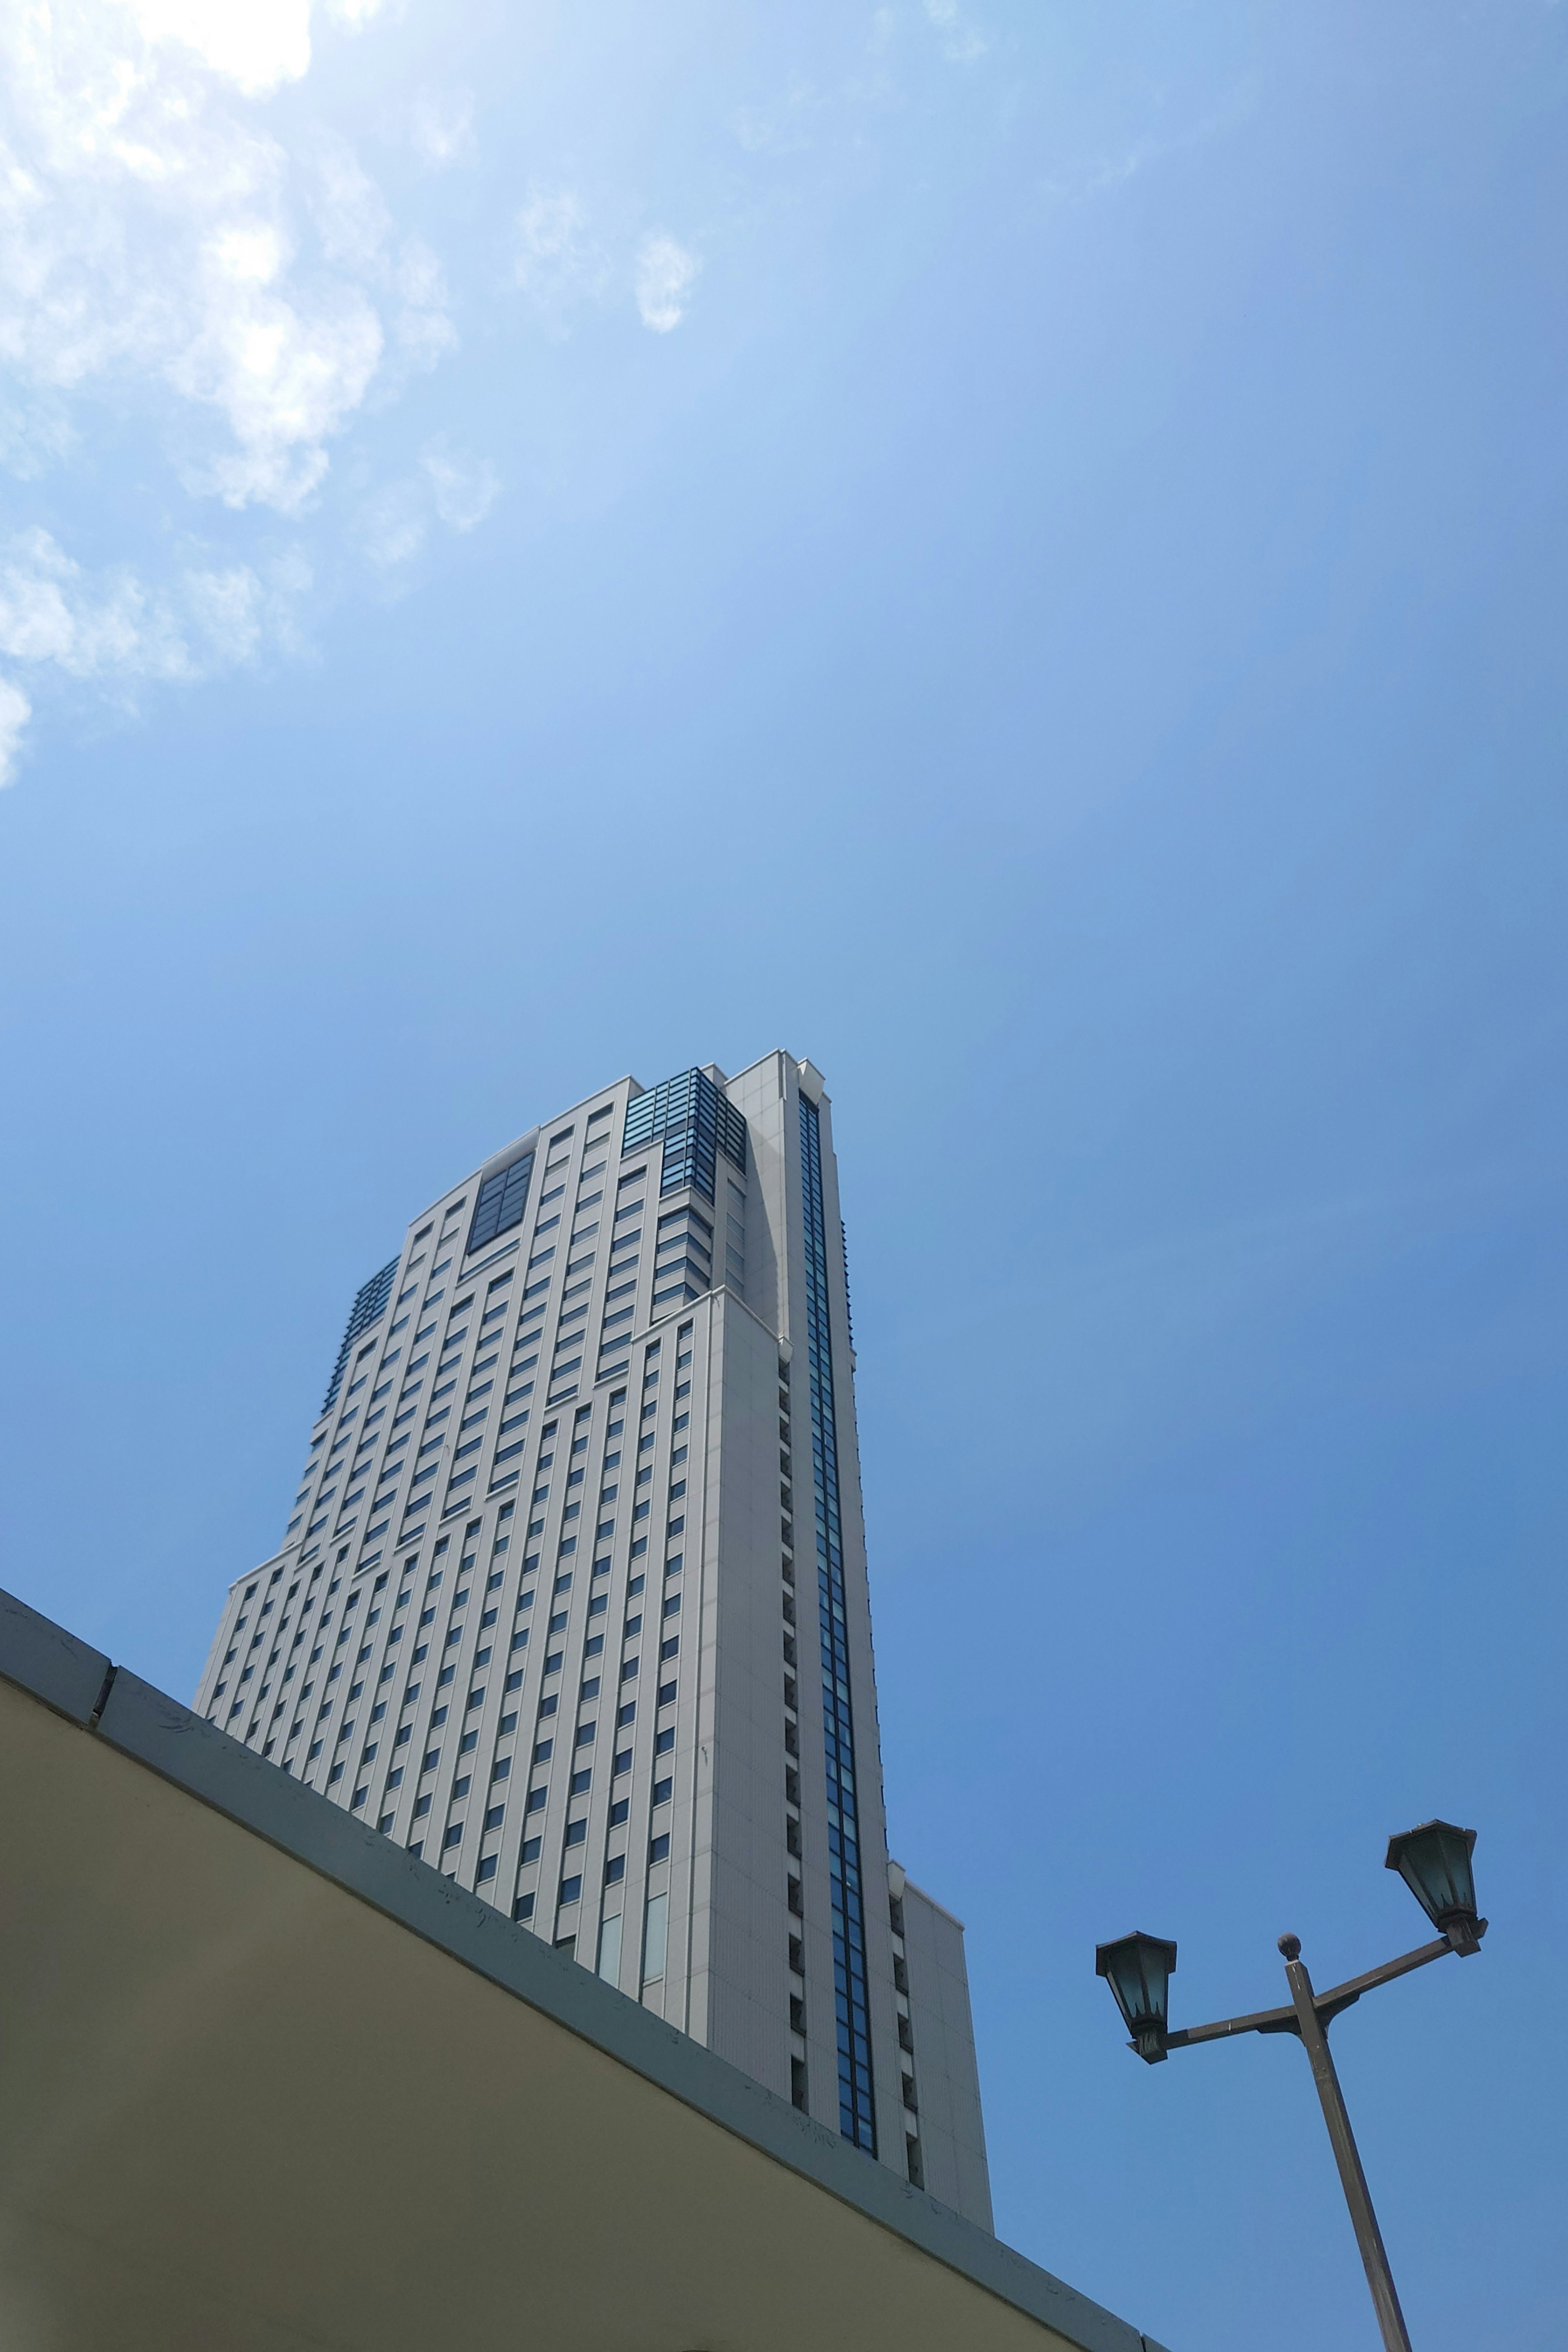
(1435, 1863)
(1139, 1970)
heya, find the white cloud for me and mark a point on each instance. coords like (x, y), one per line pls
(960, 41)
(559, 265)
(15, 712)
(442, 127)
(208, 618)
(465, 488)
(450, 488)
(155, 232)
(393, 525)
(664, 274)
(254, 47)
(172, 254)
(423, 325)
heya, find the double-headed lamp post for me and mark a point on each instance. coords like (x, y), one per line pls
(1435, 1863)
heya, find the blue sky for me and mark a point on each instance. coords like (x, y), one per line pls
(1018, 553)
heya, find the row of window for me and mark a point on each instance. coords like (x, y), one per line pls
(375, 1450)
(609, 1463)
(584, 1227)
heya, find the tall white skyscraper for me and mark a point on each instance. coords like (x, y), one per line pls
(573, 1598)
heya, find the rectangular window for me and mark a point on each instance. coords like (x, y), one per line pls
(502, 1200)
(656, 1926)
(610, 1950)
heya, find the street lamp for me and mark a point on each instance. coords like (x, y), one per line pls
(1434, 1859)
(1139, 1969)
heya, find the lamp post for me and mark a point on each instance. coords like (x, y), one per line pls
(1434, 1861)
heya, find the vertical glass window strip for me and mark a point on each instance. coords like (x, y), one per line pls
(857, 2119)
(369, 1307)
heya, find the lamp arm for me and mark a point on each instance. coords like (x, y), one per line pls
(1262, 2020)
(1327, 2004)
(1341, 1996)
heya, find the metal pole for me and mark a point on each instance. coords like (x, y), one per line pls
(1369, 2237)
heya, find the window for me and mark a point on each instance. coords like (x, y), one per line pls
(662, 1792)
(615, 1869)
(576, 1833)
(523, 1908)
(571, 1888)
(656, 1926)
(501, 1201)
(494, 1817)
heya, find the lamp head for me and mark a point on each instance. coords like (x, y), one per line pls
(1434, 1859)
(1139, 1970)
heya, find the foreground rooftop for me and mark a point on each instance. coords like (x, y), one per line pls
(268, 2082)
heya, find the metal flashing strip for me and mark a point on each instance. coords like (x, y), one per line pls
(159, 1734)
(41, 1657)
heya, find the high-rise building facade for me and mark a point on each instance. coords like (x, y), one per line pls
(573, 1598)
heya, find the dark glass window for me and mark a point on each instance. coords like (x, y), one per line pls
(502, 1198)
(369, 1307)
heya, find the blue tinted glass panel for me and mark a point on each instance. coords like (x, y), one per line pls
(501, 1201)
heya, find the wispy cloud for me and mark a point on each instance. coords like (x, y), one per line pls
(441, 127)
(152, 230)
(173, 250)
(116, 629)
(665, 276)
(961, 41)
(450, 488)
(465, 488)
(564, 265)
(558, 263)
(15, 712)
